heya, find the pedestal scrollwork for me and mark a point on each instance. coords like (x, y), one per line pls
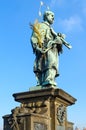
(13, 119)
(61, 112)
(38, 107)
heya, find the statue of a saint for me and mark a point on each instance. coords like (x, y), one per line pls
(47, 45)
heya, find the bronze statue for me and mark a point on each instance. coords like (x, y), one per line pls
(47, 45)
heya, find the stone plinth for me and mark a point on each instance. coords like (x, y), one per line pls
(44, 109)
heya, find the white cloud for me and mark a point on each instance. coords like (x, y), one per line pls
(84, 11)
(56, 2)
(73, 23)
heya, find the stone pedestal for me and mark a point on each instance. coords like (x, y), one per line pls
(44, 109)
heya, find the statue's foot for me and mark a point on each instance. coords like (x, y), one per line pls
(49, 84)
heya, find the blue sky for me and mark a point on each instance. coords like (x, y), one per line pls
(16, 56)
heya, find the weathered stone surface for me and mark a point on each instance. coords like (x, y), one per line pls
(25, 97)
(44, 109)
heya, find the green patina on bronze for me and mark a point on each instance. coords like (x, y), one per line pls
(47, 45)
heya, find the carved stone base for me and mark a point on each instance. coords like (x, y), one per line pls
(44, 109)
